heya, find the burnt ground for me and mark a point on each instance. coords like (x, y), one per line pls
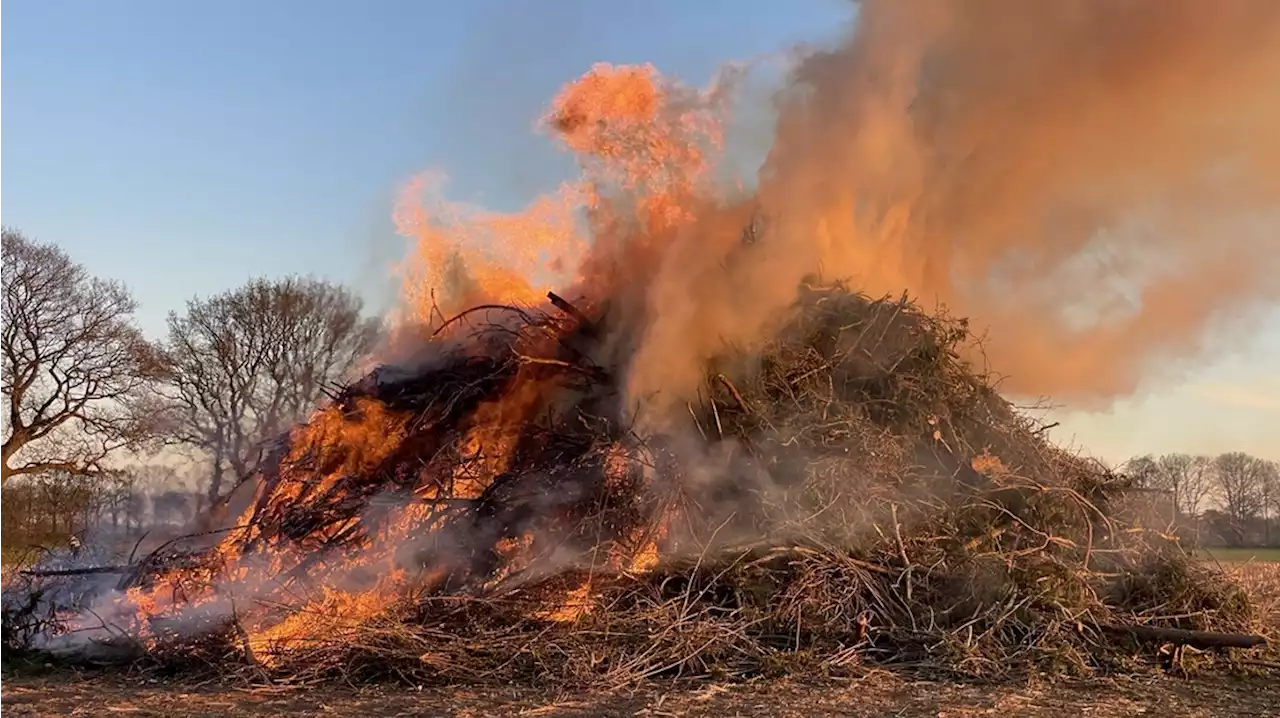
(878, 694)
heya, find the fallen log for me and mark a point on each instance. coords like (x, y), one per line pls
(1195, 639)
(44, 573)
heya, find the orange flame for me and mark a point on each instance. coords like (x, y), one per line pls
(645, 146)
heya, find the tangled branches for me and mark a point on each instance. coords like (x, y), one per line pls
(850, 493)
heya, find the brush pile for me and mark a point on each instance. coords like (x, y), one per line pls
(850, 493)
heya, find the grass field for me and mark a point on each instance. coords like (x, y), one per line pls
(1240, 555)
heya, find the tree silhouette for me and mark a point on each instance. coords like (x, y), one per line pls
(76, 369)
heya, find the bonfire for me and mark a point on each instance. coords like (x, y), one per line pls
(852, 493)
(605, 461)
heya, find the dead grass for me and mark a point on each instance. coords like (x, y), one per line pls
(877, 694)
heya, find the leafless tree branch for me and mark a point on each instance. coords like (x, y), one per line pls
(243, 365)
(77, 372)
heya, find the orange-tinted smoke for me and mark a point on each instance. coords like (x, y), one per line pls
(643, 146)
(463, 255)
(1095, 183)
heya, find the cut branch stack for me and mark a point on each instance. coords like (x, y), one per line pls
(851, 492)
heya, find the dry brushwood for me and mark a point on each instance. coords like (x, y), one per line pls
(855, 493)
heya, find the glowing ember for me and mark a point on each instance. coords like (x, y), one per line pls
(576, 603)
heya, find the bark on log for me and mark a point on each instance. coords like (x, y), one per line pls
(1196, 639)
(42, 573)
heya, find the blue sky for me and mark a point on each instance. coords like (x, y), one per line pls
(183, 147)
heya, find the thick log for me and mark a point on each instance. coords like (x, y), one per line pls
(585, 325)
(42, 573)
(1195, 639)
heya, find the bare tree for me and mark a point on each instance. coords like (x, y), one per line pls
(173, 507)
(1143, 471)
(76, 369)
(1188, 477)
(1270, 496)
(117, 500)
(1241, 482)
(135, 488)
(245, 364)
(66, 501)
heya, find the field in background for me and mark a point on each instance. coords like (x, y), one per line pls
(1240, 555)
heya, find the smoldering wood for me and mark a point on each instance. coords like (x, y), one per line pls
(585, 325)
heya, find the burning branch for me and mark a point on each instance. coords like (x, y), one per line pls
(494, 515)
(585, 325)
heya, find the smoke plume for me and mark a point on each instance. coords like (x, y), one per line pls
(1096, 183)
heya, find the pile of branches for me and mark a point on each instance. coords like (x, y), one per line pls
(853, 492)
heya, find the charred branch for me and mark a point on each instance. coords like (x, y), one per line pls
(86, 571)
(585, 325)
(1195, 639)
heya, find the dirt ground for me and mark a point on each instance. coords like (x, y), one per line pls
(878, 694)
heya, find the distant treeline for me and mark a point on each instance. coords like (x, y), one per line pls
(1232, 499)
(53, 510)
(85, 390)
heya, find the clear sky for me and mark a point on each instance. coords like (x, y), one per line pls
(183, 147)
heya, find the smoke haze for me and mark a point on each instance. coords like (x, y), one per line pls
(1095, 184)
(1026, 163)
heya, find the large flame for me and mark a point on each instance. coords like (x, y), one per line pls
(644, 144)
